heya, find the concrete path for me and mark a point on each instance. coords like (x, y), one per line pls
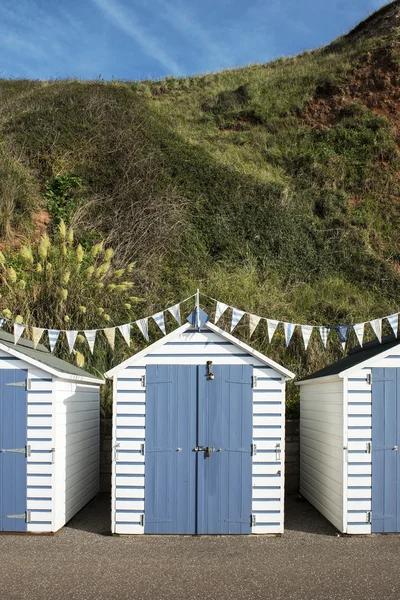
(310, 562)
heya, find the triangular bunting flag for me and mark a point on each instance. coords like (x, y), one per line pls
(359, 331)
(18, 331)
(90, 335)
(376, 325)
(219, 311)
(176, 312)
(71, 336)
(324, 332)
(272, 325)
(343, 333)
(254, 321)
(144, 327)
(159, 320)
(3, 321)
(53, 337)
(126, 332)
(289, 329)
(37, 333)
(236, 316)
(109, 332)
(306, 330)
(394, 323)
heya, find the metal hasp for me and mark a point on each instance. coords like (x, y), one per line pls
(206, 449)
(26, 450)
(26, 516)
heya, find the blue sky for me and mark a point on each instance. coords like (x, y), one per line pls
(140, 39)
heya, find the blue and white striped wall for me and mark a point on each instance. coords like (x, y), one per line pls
(188, 346)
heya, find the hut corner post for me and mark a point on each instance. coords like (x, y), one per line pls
(198, 309)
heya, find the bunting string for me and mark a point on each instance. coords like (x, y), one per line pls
(238, 315)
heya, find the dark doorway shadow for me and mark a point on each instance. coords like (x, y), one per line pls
(95, 517)
(300, 515)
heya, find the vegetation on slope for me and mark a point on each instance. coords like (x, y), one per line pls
(273, 187)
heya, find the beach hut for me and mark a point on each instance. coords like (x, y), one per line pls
(198, 436)
(49, 438)
(349, 439)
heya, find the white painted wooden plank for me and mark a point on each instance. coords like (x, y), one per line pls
(34, 504)
(125, 455)
(126, 481)
(199, 350)
(262, 469)
(41, 409)
(359, 409)
(359, 529)
(271, 421)
(39, 385)
(91, 433)
(267, 432)
(358, 384)
(272, 481)
(266, 445)
(74, 477)
(77, 416)
(199, 360)
(327, 501)
(129, 529)
(364, 469)
(332, 466)
(358, 457)
(263, 408)
(359, 446)
(359, 504)
(319, 429)
(273, 518)
(307, 433)
(77, 408)
(77, 462)
(353, 493)
(130, 504)
(34, 482)
(40, 445)
(39, 469)
(356, 434)
(359, 421)
(130, 409)
(127, 517)
(319, 476)
(135, 493)
(130, 445)
(313, 447)
(275, 505)
(315, 410)
(270, 493)
(260, 529)
(364, 481)
(42, 456)
(38, 421)
(130, 421)
(129, 432)
(131, 469)
(39, 528)
(310, 415)
(271, 456)
(132, 385)
(357, 517)
(39, 492)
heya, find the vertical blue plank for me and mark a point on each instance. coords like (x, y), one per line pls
(170, 473)
(385, 459)
(225, 423)
(13, 434)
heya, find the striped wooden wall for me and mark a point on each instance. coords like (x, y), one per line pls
(128, 473)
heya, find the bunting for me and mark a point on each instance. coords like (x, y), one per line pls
(236, 316)
(143, 325)
(306, 331)
(359, 331)
(125, 331)
(53, 337)
(219, 311)
(272, 325)
(253, 322)
(176, 312)
(37, 333)
(289, 329)
(394, 323)
(376, 325)
(90, 335)
(71, 339)
(158, 318)
(109, 332)
(2, 322)
(18, 331)
(324, 332)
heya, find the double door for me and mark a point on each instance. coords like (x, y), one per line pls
(385, 450)
(198, 464)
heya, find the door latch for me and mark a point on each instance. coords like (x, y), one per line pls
(206, 449)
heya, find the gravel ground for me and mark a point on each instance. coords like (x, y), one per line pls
(84, 562)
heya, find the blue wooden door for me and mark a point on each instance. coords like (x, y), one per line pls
(225, 425)
(385, 454)
(189, 490)
(170, 480)
(13, 433)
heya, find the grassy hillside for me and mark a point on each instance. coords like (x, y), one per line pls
(273, 187)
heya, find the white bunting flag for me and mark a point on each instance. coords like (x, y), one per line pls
(359, 331)
(272, 325)
(53, 337)
(176, 312)
(324, 332)
(254, 321)
(143, 325)
(394, 323)
(376, 325)
(109, 332)
(289, 329)
(37, 333)
(159, 320)
(90, 335)
(126, 332)
(3, 321)
(236, 316)
(18, 331)
(71, 338)
(306, 330)
(219, 311)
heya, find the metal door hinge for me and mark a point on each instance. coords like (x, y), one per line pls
(143, 381)
(26, 516)
(254, 381)
(142, 449)
(53, 459)
(26, 450)
(369, 517)
(253, 520)
(368, 447)
(25, 384)
(141, 520)
(253, 449)
(369, 379)
(278, 451)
